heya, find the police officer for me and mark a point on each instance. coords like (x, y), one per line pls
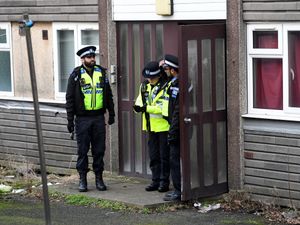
(150, 103)
(88, 97)
(172, 101)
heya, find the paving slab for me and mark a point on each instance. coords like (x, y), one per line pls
(130, 191)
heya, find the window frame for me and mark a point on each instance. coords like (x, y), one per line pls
(287, 113)
(285, 68)
(264, 27)
(77, 28)
(8, 47)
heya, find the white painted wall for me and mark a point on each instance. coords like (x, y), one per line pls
(135, 10)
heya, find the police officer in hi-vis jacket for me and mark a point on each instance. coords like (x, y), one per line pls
(150, 104)
(88, 97)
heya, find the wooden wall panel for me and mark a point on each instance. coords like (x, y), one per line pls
(272, 162)
(50, 10)
(18, 141)
(271, 10)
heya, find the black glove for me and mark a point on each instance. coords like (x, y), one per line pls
(136, 108)
(70, 126)
(111, 120)
(139, 108)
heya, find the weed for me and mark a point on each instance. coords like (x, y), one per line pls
(112, 205)
(146, 211)
(56, 196)
(246, 222)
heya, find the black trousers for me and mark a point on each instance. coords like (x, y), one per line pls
(90, 132)
(159, 154)
(175, 166)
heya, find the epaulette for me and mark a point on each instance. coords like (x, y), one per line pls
(76, 71)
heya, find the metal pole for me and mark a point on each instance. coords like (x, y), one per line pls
(27, 24)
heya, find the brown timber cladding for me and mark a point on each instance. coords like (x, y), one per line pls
(272, 165)
(271, 10)
(50, 10)
(18, 140)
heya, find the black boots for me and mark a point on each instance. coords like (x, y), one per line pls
(82, 182)
(173, 196)
(152, 187)
(163, 187)
(99, 182)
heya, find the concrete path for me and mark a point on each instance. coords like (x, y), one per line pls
(130, 191)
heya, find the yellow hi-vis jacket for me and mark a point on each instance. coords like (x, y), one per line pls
(92, 89)
(154, 102)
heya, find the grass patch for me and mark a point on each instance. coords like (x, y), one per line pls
(244, 222)
(7, 205)
(83, 200)
(80, 200)
(9, 220)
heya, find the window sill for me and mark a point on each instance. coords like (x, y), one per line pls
(273, 117)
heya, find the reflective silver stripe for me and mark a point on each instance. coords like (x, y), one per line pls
(90, 51)
(156, 116)
(155, 72)
(170, 64)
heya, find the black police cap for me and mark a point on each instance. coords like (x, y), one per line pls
(151, 70)
(86, 51)
(171, 61)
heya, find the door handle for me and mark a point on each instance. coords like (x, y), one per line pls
(187, 120)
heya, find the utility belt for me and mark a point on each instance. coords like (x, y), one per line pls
(89, 113)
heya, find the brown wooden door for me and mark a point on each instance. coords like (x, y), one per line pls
(203, 110)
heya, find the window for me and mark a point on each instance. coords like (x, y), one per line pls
(68, 38)
(274, 69)
(6, 87)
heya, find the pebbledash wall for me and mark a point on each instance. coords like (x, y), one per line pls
(18, 142)
(271, 144)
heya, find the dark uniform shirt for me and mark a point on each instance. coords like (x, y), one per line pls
(173, 111)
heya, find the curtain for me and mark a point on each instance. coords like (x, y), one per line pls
(268, 83)
(294, 69)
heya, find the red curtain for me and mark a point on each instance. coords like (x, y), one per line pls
(294, 65)
(268, 73)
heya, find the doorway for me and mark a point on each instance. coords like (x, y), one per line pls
(201, 52)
